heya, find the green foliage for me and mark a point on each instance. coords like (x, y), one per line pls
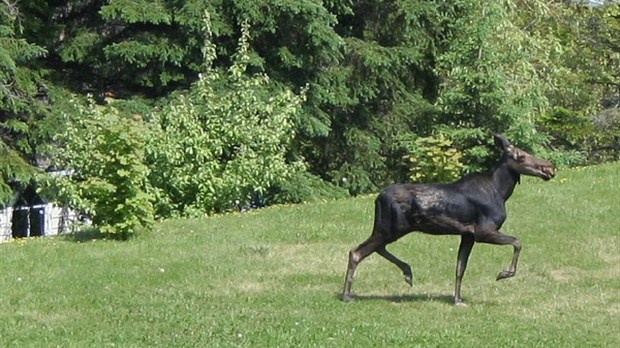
(225, 141)
(19, 106)
(303, 187)
(562, 53)
(595, 139)
(576, 60)
(569, 131)
(489, 82)
(17, 80)
(604, 40)
(103, 153)
(13, 171)
(476, 145)
(383, 89)
(607, 135)
(129, 44)
(376, 72)
(433, 159)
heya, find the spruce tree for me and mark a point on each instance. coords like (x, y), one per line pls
(21, 103)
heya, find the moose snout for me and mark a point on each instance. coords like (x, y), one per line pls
(549, 171)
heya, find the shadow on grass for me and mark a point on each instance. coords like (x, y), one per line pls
(449, 299)
(84, 235)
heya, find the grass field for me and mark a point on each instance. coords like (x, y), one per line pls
(272, 278)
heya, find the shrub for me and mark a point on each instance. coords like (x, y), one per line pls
(433, 159)
(304, 187)
(103, 152)
(224, 142)
(588, 139)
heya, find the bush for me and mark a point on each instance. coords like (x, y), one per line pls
(303, 187)
(103, 153)
(583, 139)
(433, 159)
(607, 136)
(224, 142)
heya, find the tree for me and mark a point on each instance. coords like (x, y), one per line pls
(490, 80)
(151, 48)
(608, 36)
(225, 141)
(384, 91)
(380, 75)
(21, 104)
(576, 63)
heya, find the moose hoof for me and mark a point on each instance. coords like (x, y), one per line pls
(409, 279)
(459, 302)
(347, 298)
(505, 274)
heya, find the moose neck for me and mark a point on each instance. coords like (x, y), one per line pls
(505, 179)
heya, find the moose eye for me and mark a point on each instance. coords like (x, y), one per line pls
(518, 156)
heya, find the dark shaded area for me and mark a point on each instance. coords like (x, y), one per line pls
(87, 234)
(28, 218)
(404, 298)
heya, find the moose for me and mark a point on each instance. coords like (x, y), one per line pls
(472, 207)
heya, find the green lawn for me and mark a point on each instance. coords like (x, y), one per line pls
(272, 278)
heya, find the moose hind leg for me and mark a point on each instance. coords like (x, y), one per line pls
(355, 257)
(399, 263)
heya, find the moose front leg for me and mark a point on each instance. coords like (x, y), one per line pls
(496, 237)
(512, 269)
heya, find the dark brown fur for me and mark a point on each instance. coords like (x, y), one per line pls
(472, 207)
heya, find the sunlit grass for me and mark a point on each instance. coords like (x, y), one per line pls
(271, 278)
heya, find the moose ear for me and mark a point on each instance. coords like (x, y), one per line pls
(503, 143)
